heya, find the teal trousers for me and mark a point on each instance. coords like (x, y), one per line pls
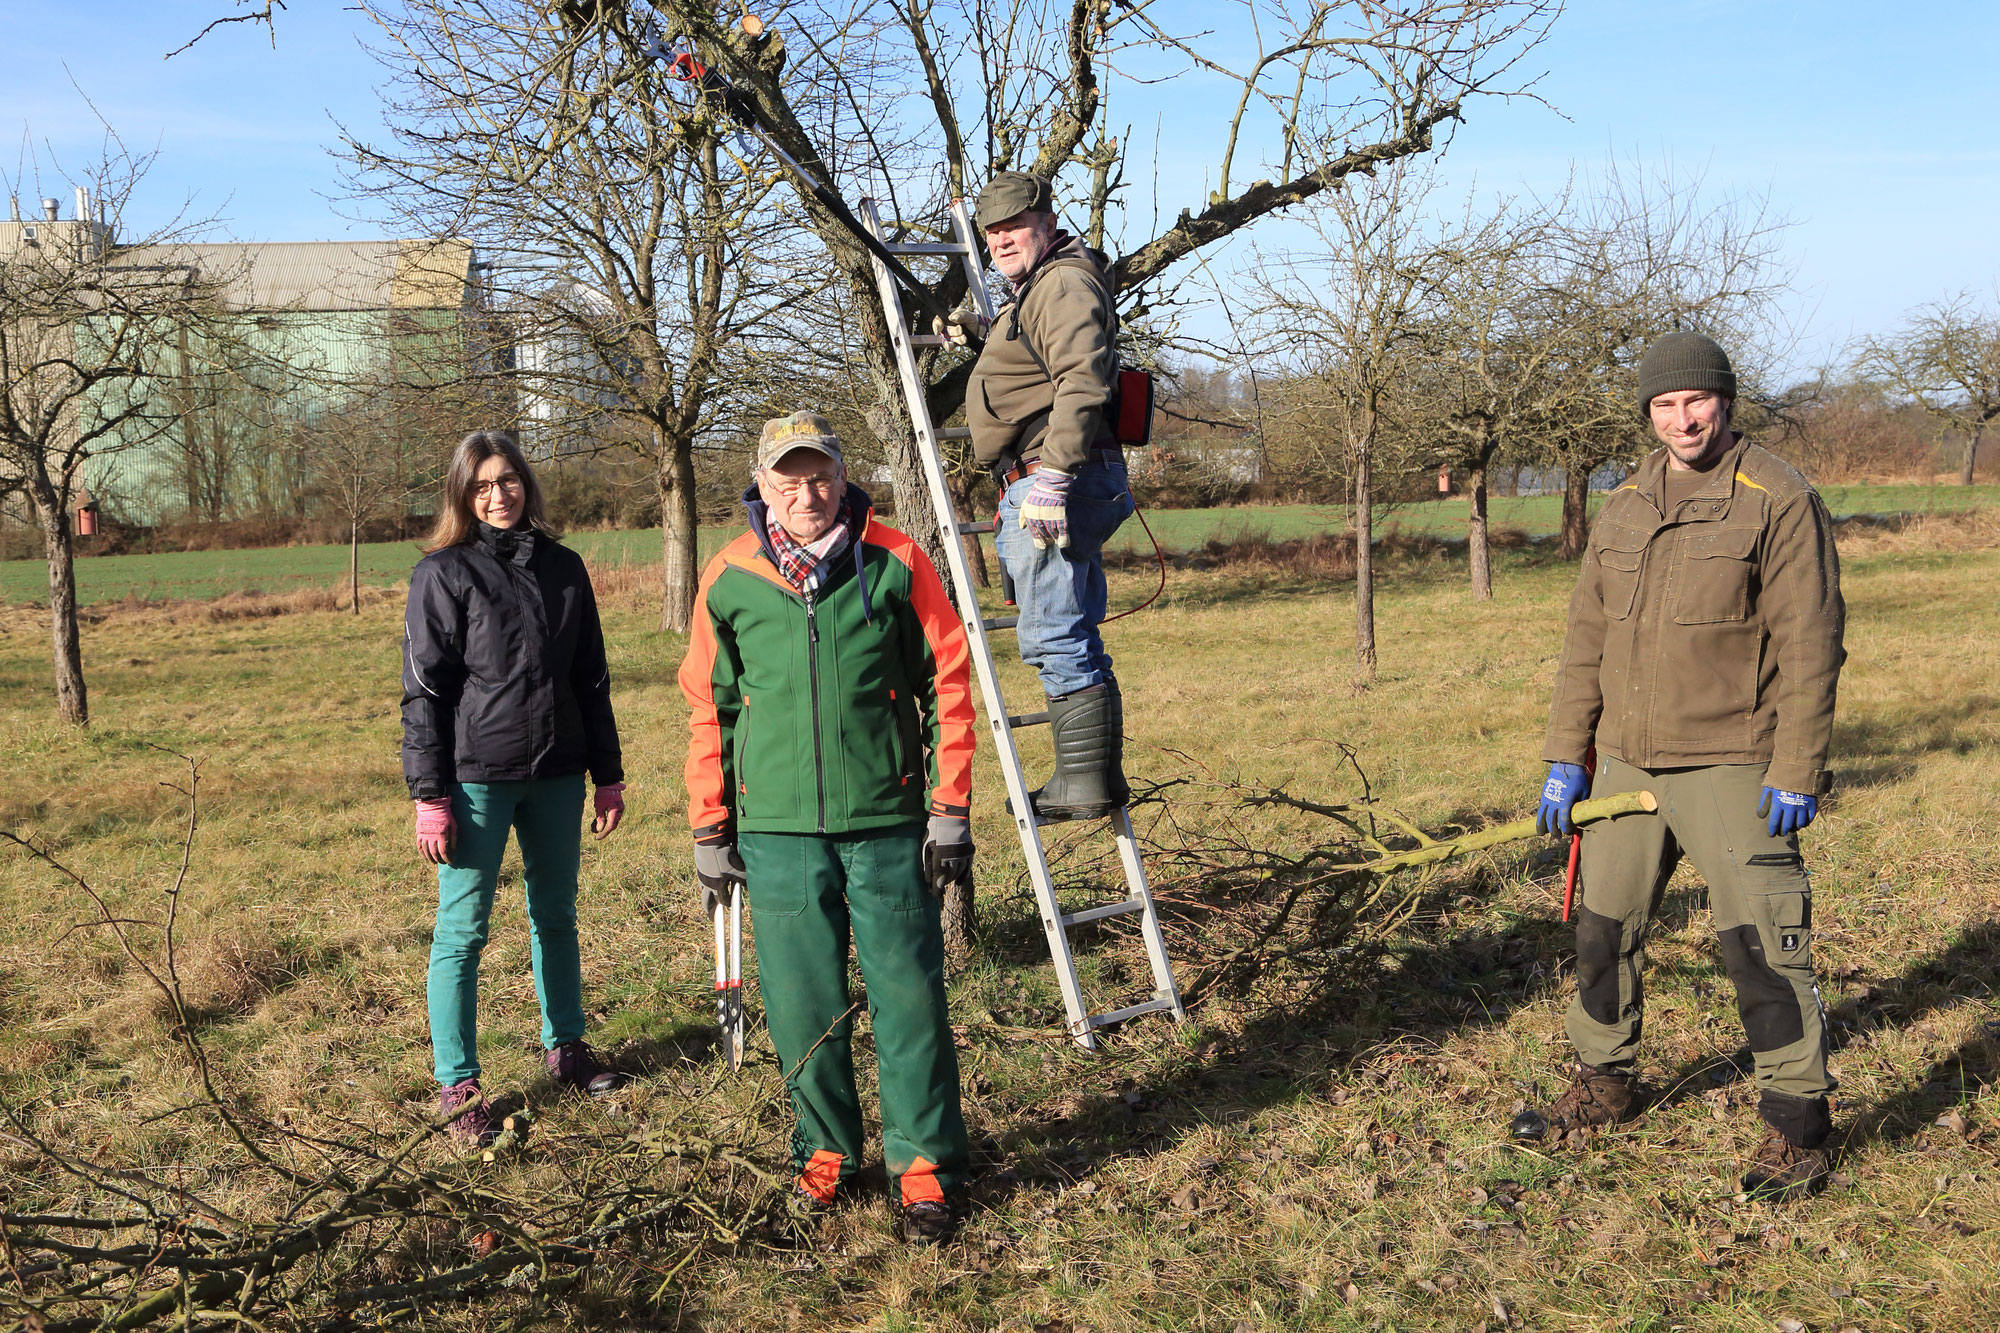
(808, 894)
(547, 815)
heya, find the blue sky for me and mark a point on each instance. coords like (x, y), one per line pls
(1870, 126)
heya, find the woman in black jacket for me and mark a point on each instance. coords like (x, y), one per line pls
(506, 705)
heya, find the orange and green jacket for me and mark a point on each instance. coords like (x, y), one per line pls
(848, 712)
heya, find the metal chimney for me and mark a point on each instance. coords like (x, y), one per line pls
(13, 208)
(82, 204)
(51, 209)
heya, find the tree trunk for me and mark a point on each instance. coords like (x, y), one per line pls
(1576, 512)
(975, 550)
(72, 702)
(679, 572)
(1477, 550)
(961, 925)
(1971, 457)
(1364, 560)
(354, 563)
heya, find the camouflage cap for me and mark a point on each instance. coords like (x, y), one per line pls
(800, 430)
(1010, 194)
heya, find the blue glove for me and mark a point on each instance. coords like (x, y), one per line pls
(1566, 785)
(1788, 810)
(1045, 508)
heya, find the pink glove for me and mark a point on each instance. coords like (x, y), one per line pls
(609, 802)
(436, 830)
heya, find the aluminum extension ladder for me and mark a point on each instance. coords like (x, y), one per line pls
(1082, 1024)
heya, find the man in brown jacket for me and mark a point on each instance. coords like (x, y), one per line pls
(1037, 404)
(1703, 651)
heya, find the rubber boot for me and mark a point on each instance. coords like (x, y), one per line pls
(1089, 740)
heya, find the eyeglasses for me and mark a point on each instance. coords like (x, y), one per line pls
(822, 483)
(510, 483)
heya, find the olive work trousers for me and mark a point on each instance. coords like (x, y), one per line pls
(808, 892)
(1762, 904)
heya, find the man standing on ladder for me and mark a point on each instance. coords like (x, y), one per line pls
(829, 686)
(1038, 404)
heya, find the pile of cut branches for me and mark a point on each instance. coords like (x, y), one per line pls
(293, 1229)
(1236, 904)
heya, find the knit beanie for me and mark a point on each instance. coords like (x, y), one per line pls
(1677, 361)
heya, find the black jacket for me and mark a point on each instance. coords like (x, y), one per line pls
(504, 675)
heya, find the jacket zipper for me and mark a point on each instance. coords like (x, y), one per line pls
(812, 682)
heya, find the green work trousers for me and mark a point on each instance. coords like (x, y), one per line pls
(547, 814)
(808, 892)
(1757, 891)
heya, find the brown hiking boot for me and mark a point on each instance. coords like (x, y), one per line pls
(1594, 1097)
(1780, 1170)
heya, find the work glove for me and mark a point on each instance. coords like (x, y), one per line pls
(947, 853)
(1788, 810)
(608, 803)
(1566, 785)
(716, 868)
(1045, 509)
(437, 831)
(962, 325)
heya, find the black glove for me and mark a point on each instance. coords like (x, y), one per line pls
(716, 868)
(947, 854)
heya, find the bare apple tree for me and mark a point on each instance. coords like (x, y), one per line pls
(641, 267)
(88, 328)
(1945, 359)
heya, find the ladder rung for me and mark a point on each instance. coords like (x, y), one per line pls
(1001, 622)
(1152, 1006)
(926, 248)
(953, 433)
(1089, 914)
(1027, 719)
(974, 529)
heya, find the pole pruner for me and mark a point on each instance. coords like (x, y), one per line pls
(739, 108)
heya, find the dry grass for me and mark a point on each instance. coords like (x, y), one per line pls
(1300, 1155)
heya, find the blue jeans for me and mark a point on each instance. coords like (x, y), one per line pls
(547, 813)
(1060, 593)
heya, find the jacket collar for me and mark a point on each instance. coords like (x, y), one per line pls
(1720, 483)
(858, 510)
(515, 544)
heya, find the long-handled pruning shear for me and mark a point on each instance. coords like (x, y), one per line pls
(729, 973)
(740, 109)
(1576, 842)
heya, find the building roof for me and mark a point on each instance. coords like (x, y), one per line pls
(327, 275)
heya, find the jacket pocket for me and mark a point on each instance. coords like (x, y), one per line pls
(742, 739)
(1716, 577)
(909, 745)
(1618, 580)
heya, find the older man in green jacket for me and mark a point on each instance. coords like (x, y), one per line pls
(1704, 649)
(829, 768)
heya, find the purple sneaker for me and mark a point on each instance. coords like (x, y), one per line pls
(476, 1125)
(574, 1065)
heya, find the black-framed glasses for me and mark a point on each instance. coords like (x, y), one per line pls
(510, 483)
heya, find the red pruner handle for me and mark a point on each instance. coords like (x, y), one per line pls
(687, 68)
(1569, 880)
(1576, 841)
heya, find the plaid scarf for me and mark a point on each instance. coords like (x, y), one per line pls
(804, 564)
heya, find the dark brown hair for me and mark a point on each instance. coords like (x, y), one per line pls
(456, 523)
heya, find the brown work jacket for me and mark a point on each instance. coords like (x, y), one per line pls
(1711, 635)
(1044, 378)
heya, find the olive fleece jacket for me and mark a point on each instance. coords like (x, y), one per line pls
(1043, 382)
(1709, 635)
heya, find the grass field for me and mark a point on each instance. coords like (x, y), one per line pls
(383, 564)
(1318, 1147)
